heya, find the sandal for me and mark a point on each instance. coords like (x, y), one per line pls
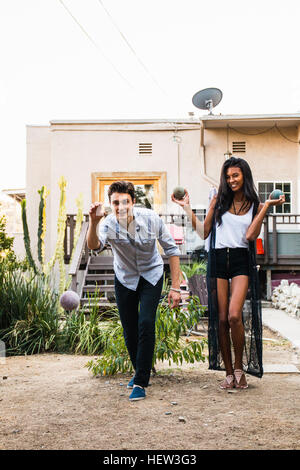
(238, 374)
(228, 382)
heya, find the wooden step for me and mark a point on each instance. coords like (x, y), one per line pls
(101, 302)
(100, 277)
(102, 260)
(100, 267)
(102, 288)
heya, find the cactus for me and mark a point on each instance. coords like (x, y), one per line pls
(27, 238)
(59, 248)
(42, 225)
(79, 219)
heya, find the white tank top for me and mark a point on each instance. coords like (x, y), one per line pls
(232, 232)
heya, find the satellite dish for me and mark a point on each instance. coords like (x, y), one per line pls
(207, 98)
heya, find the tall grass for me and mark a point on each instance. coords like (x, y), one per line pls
(82, 332)
(29, 321)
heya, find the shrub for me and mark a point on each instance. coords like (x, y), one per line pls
(82, 333)
(171, 325)
(29, 320)
(195, 268)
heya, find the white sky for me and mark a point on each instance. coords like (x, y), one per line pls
(50, 69)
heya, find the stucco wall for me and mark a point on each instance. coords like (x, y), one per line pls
(38, 166)
(75, 151)
(270, 156)
(77, 154)
(18, 245)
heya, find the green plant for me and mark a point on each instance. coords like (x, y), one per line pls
(171, 325)
(59, 248)
(8, 259)
(79, 220)
(82, 332)
(115, 357)
(42, 225)
(29, 321)
(6, 242)
(27, 237)
(195, 268)
(82, 335)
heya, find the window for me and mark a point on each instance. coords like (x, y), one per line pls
(264, 190)
(150, 187)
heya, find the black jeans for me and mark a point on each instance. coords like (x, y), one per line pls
(137, 311)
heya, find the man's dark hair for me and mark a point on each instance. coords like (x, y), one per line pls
(121, 187)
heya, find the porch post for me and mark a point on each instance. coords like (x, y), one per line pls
(269, 284)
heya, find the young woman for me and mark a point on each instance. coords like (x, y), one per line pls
(233, 221)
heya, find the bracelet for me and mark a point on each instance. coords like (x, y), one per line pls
(176, 290)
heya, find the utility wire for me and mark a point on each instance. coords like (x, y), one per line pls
(95, 44)
(251, 133)
(130, 47)
(287, 138)
(265, 130)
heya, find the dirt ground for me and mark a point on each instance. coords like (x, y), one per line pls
(52, 401)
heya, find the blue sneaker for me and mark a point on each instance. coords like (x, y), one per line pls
(137, 393)
(130, 383)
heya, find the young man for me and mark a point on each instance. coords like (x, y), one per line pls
(132, 233)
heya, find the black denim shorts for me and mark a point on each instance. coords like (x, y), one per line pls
(231, 262)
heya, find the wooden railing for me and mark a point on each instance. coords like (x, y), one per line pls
(178, 219)
(281, 244)
(81, 256)
(69, 235)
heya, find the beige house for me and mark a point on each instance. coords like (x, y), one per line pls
(158, 155)
(10, 207)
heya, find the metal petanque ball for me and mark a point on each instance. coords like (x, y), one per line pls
(69, 300)
(179, 192)
(276, 194)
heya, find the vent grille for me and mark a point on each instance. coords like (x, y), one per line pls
(238, 147)
(145, 148)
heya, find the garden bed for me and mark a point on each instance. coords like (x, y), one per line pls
(51, 401)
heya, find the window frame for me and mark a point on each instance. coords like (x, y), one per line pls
(274, 183)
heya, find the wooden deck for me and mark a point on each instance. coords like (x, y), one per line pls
(280, 233)
(281, 251)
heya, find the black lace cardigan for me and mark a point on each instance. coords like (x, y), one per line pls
(252, 356)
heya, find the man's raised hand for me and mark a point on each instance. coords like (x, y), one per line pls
(96, 212)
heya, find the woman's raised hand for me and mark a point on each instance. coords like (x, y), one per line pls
(275, 202)
(185, 201)
(213, 202)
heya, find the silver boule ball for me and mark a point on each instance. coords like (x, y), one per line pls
(179, 192)
(69, 300)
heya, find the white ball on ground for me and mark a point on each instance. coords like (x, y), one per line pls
(69, 300)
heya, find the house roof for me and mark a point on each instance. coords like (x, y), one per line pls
(125, 121)
(250, 120)
(208, 121)
(17, 194)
